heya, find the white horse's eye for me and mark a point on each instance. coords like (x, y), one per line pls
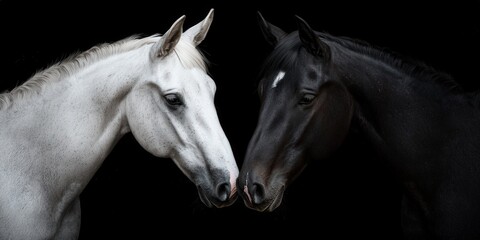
(173, 99)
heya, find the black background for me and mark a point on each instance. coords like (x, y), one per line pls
(353, 194)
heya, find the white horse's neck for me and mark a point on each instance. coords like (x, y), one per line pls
(73, 123)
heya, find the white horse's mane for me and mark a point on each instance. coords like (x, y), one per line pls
(188, 54)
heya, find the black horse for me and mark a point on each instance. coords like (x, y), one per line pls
(316, 88)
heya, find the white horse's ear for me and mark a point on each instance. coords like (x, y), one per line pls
(169, 40)
(197, 33)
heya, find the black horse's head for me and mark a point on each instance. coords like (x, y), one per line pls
(305, 114)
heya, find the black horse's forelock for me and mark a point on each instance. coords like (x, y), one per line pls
(285, 57)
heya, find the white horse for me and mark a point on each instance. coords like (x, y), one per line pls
(58, 127)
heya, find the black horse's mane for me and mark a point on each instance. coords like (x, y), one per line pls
(286, 55)
(410, 66)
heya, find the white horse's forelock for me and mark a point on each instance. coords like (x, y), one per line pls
(188, 54)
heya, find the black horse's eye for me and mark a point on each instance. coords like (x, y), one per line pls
(173, 99)
(306, 99)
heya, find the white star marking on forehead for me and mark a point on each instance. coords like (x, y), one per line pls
(279, 77)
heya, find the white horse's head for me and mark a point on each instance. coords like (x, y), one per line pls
(171, 113)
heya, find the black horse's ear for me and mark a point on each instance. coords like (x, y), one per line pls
(271, 33)
(311, 41)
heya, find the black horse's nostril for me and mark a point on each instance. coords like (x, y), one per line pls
(257, 193)
(223, 191)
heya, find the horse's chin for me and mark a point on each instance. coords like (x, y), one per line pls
(276, 201)
(269, 205)
(212, 202)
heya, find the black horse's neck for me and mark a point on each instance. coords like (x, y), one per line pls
(407, 111)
